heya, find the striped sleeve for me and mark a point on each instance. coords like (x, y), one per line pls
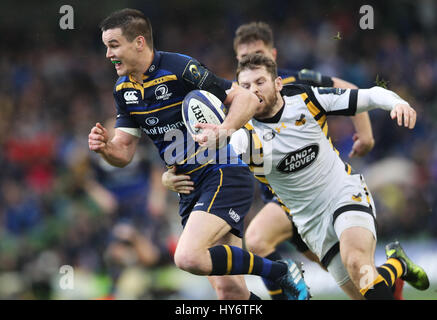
(334, 101)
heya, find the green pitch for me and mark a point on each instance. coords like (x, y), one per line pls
(409, 293)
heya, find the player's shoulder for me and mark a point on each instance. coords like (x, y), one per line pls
(294, 89)
(120, 86)
(121, 83)
(174, 61)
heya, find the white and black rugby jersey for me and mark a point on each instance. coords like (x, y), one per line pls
(300, 162)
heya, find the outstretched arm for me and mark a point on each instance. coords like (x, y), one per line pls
(381, 98)
(353, 101)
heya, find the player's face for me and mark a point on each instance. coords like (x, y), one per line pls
(260, 82)
(120, 51)
(257, 46)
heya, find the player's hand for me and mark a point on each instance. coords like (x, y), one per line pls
(361, 147)
(405, 115)
(98, 138)
(177, 182)
(212, 135)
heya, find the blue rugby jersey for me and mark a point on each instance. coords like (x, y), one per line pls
(155, 108)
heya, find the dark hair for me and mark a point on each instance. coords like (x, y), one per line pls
(253, 31)
(255, 61)
(133, 23)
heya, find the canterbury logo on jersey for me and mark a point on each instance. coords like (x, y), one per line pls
(299, 159)
(130, 97)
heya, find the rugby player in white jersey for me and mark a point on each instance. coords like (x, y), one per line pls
(273, 224)
(331, 206)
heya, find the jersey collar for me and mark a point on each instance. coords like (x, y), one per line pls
(155, 63)
(275, 118)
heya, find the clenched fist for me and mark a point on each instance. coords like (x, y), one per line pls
(98, 138)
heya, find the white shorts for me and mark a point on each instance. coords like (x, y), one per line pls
(350, 206)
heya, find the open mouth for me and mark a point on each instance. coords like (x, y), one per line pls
(117, 63)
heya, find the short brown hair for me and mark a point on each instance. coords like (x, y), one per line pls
(255, 61)
(133, 23)
(251, 32)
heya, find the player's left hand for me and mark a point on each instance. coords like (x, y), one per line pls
(212, 135)
(361, 146)
(405, 114)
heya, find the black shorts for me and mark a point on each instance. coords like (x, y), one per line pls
(226, 192)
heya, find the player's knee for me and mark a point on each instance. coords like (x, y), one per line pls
(256, 243)
(189, 261)
(354, 262)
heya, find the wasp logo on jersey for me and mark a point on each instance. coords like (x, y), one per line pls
(299, 159)
(357, 197)
(301, 121)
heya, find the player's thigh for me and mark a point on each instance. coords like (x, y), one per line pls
(202, 231)
(270, 224)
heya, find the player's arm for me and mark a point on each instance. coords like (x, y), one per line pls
(380, 98)
(352, 101)
(242, 104)
(117, 151)
(363, 138)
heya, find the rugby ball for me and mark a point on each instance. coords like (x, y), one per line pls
(202, 106)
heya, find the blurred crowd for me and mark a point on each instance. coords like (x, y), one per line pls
(60, 204)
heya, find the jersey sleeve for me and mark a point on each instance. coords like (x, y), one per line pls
(240, 141)
(334, 101)
(197, 76)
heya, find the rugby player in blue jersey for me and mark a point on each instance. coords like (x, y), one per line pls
(148, 94)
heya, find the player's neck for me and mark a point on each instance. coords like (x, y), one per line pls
(143, 66)
(277, 106)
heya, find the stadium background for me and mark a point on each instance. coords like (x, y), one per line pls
(59, 205)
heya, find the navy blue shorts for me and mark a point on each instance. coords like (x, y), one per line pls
(226, 192)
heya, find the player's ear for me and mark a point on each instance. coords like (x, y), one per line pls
(140, 43)
(274, 53)
(278, 83)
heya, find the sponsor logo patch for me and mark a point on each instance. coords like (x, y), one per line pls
(299, 159)
(130, 97)
(151, 121)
